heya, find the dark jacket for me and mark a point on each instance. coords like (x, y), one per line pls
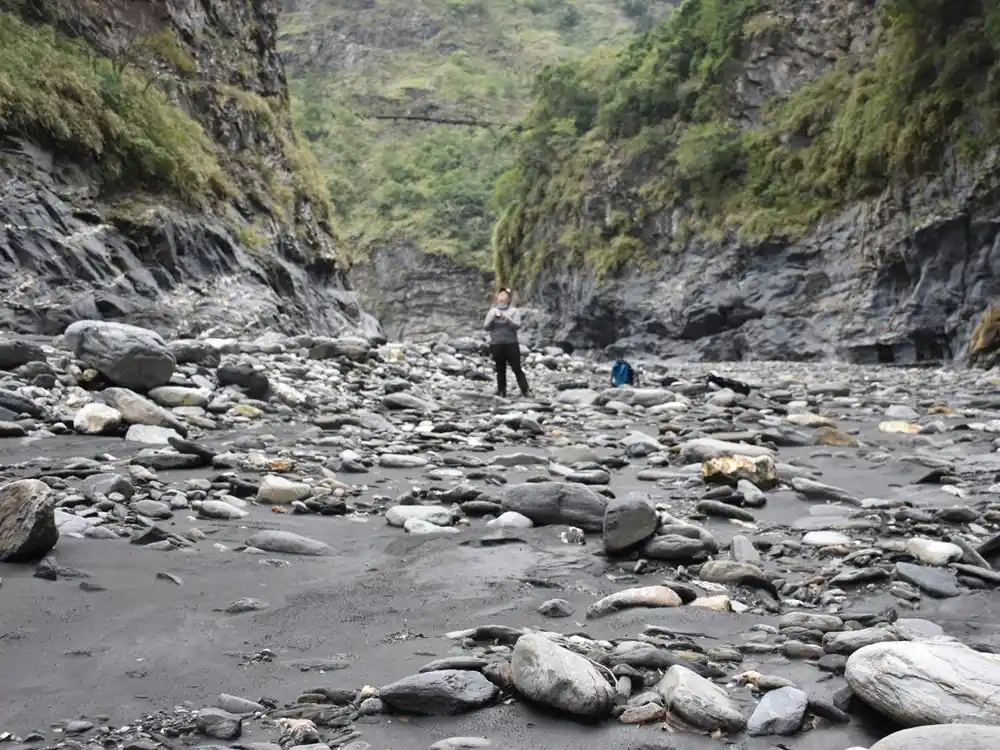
(503, 325)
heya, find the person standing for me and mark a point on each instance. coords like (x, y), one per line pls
(503, 321)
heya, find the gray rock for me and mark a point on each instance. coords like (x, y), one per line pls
(556, 608)
(12, 430)
(407, 401)
(15, 352)
(172, 396)
(811, 621)
(742, 550)
(439, 693)
(236, 705)
(557, 503)
(628, 521)
(673, 547)
(101, 485)
(136, 409)
(219, 724)
(901, 412)
(935, 581)
(779, 712)
(17, 404)
(461, 743)
(850, 641)
(152, 509)
(813, 490)
(942, 737)
(699, 701)
(929, 682)
(127, 355)
(704, 449)
(553, 676)
(289, 543)
(27, 521)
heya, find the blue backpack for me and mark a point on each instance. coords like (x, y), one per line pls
(622, 373)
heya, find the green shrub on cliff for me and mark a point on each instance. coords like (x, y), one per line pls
(58, 90)
(654, 130)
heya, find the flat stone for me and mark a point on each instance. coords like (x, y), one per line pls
(439, 693)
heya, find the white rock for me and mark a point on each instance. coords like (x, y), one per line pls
(401, 461)
(928, 682)
(420, 526)
(932, 552)
(512, 519)
(554, 676)
(825, 539)
(220, 509)
(97, 419)
(398, 515)
(150, 434)
(275, 490)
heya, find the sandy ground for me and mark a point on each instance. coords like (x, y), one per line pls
(377, 609)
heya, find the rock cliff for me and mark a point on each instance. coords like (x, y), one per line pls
(833, 202)
(149, 173)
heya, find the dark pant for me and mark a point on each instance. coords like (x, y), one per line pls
(508, 354)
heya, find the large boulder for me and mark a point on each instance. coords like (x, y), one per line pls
(699, 701)
(628, 521)
(553, 676)
(927, 682)
(942, 737)
(441, 692)
(557, 503)
(27, 521)
(129, 356)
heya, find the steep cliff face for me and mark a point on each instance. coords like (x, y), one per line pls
(403, 188)
(150, 173)
(817, 180)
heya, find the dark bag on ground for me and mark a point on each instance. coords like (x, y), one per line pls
(622, 373)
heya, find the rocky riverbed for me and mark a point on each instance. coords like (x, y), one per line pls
(322, 542)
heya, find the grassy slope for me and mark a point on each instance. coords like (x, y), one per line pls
(430, 185)
(658, 115)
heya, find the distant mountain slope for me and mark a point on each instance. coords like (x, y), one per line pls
(402, 189)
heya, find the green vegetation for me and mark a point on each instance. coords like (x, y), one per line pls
(656, 122)
(104, 111)
(430, 185)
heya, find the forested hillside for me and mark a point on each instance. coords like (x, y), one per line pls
(403, 189)
(787, 178)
